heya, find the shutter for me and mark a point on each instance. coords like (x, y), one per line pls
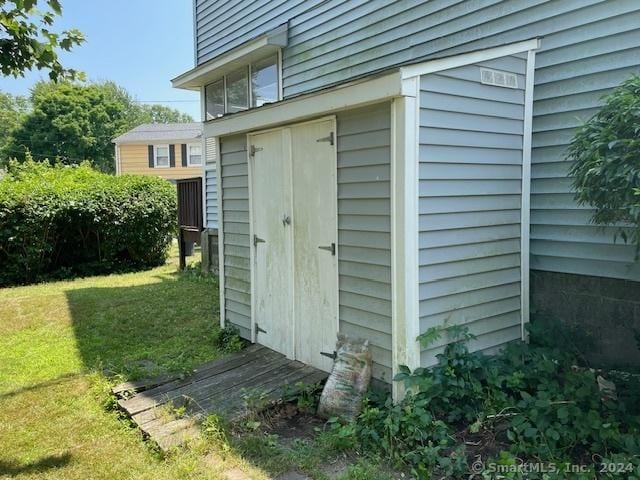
(183, 149)
(150, 153)
(172, 156)
(210, 151)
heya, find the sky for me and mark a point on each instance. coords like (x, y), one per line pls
(139, 44)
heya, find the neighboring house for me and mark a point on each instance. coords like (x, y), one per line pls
(168, 150)
(391, 166)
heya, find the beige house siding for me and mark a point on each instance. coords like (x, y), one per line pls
(134, 160)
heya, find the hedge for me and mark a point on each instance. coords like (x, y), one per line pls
(60, 221)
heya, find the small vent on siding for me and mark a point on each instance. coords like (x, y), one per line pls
(211, 152)
(498, 78)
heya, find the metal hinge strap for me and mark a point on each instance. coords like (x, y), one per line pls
(333, 355)
(253, 149)
(257, 240)
(331, 248)
(329, 139)
(260, 330)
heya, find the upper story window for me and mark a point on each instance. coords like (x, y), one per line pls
(238, 90)
(264, 81)
(251, 86)
(161, 156)
(194, 153)
(214, 95)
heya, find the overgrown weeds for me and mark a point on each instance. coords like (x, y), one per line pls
(531, 407)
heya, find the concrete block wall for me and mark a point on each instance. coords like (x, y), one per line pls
(606, 309)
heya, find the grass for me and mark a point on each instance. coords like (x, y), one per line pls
(63, 344)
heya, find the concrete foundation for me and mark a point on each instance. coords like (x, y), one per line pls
(607, 310)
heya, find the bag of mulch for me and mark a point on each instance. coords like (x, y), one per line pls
(348, 382)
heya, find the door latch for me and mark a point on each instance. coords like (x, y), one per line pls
(257, 240)
(331, 248)
(286, 220)
(332, 356)
(330, 138)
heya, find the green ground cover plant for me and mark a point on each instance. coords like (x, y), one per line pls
(61, 221)
(533, 404)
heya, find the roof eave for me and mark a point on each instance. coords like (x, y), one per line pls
(252, 50)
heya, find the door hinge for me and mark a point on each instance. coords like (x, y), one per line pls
(257, 240)
(330, 248)
(332, 356)
(253, 149)
(329, 139)
(259, 330)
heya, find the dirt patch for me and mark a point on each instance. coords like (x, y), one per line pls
(290, 423)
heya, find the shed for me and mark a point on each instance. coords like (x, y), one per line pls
(380, 208)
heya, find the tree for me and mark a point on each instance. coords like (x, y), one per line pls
(12, 111)
(24, 44)
(606, 152)
(161, 114)
(71, 122)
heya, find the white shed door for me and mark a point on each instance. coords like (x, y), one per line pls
(294, 222)
(315, 242)
(272, 241)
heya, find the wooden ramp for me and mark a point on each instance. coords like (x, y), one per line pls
(220, 386)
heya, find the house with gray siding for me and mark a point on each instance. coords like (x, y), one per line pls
(389, 166)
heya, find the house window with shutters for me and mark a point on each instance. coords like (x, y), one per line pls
(161, 156)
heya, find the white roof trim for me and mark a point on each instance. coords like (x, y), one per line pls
(372, 89)
(455, 61)
(255, 49)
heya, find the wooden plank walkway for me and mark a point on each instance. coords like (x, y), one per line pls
(219, 386)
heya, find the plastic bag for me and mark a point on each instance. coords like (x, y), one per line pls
(349, 380)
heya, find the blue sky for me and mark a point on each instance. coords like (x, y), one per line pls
(139, 44)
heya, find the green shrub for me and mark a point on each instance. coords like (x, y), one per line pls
(606, 152)
(60, 221)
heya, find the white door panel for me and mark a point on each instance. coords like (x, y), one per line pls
(271, 200)
(315, 242)
(294, 217)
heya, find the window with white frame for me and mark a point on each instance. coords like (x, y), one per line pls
(194, 155)
(161, 156)
(264, 81)
(250, 86)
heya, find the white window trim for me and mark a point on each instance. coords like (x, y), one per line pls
(155, 156)
(189, 164)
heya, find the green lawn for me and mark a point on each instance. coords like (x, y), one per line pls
(62, 344)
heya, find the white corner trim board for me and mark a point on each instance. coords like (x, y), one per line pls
(221, 274)
(405, 126)
(525, 206)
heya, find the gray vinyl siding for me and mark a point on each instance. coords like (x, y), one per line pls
(235, 216)
(364, 230)
(588, 47)
(211, 198)
(222, 25)
(469, 209)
